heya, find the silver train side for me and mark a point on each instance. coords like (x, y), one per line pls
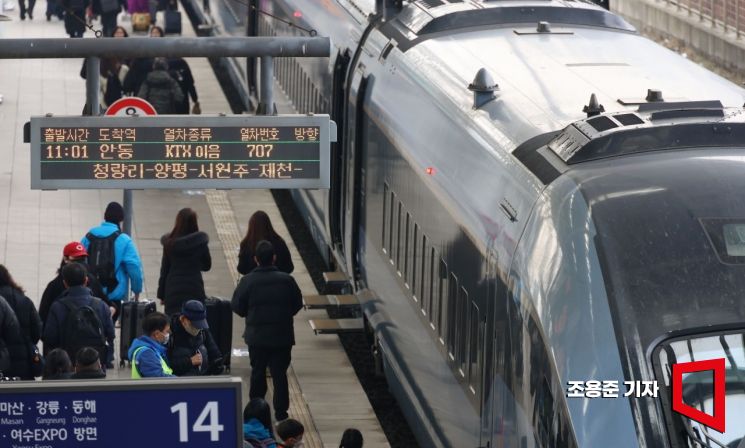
(493, 266)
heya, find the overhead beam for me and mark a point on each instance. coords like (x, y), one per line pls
(166, 47)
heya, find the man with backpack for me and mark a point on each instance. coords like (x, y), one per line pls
(113, 257)
(79, 320)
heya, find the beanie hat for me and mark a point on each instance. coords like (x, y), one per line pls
(114, 213)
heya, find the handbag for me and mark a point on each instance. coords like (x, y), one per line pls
(140, 21)
(37, 361)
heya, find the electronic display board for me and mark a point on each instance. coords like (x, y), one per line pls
(187, 413)
(187, 151)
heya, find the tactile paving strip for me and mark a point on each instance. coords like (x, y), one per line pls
(230, 238)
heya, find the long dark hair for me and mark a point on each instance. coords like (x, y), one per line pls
(7, 280)
(352, 438)
(186, 223)
(259, 409)
(259, 228)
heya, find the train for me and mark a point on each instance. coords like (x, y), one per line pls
(540, 211)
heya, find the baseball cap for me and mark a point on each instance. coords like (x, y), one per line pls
(74, 250)
(196, 313)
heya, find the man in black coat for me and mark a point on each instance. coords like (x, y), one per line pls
(192, 350)
(268, 299)
(78, 295)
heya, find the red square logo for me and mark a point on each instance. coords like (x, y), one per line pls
(715, 421)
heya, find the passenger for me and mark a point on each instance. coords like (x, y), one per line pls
(88, 365)
(127, 267)
(73, 252)
(109, 11)
(10, 332)
(352, 438)
(180, 71)
(57, 365)
(147, 353)
(27, 9)
(192, 350)
(113, 71)
(75, 16)
(185, 255)
(257, 425)
(160, 89)
(260, 228)
(54, 8)
(25, 360)
(268, 299)
(79, 320)
(291, 432)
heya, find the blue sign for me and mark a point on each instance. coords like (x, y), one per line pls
(122, 413)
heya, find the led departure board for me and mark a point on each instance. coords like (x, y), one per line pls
(161, 152)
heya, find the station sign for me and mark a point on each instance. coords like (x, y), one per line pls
(184, 413)
(181, 152)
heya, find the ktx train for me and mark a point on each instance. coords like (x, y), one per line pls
(510, 239)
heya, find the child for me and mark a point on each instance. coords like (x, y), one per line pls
(290, 431)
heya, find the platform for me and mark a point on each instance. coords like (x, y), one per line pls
(35, 225)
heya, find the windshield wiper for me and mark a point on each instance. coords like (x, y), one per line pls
(694, 435)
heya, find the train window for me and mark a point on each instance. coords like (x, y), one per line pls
(424, 285)
(414, 262)
(461, 329)
(441, 297)
(476, 330)
(399, 214)
(385, 216)
(391, 216)
(406, 250)
(452, 315)
(727, 236)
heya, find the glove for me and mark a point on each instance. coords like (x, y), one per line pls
(196, 109)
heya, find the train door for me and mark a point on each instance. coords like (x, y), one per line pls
(352, 172)
(336, 207)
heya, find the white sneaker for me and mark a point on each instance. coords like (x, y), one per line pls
(9, 6)
(1, 99)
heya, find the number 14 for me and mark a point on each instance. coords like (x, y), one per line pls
(209, 412)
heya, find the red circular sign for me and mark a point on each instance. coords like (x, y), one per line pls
(130, 106)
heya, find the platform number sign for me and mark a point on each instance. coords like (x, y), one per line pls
(183, 413)
(208, 421)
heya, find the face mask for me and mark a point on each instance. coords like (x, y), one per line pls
(191, 329)
(168, 338)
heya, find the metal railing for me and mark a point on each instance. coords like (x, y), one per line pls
(728, 15)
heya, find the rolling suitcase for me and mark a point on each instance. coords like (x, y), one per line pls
(131, 319)
(220, 320)
(172, 21)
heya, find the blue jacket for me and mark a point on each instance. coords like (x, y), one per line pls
(253, 429)
(80, 296)
(127, 262)
(148, 362)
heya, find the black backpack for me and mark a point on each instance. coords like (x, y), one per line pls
(101, 255)
(82, 328)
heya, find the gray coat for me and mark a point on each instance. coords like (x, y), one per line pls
(162, 91)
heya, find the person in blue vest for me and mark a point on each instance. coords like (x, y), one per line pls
(127, 266)
(147, 354)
